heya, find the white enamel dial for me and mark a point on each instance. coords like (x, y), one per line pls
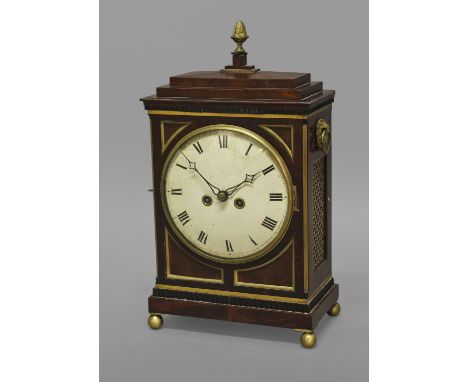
(226, 193)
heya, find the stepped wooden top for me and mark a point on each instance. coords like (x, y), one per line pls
(246, 86)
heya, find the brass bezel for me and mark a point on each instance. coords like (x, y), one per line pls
(284, 170)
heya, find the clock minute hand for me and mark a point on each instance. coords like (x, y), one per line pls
(193, 166)
(248, 179)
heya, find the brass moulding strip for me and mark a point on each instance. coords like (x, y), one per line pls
(165, 143)
(233, 294)
(241, 115)
(303, 330)
(305, 233)
(269, 286)
(322, 285)
(245, 295)
(172, 276)
(271, 130)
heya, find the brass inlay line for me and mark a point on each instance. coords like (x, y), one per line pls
(172, 276)
(165, 143)
(233, 294)
(270, 129)
(268, 286)
(305, 211)
(246, 295)
(204, 114)
(322, 285)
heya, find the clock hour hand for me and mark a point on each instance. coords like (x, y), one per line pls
(193, 166)
(248, 179)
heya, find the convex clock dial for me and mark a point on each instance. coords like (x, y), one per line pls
(227, 193)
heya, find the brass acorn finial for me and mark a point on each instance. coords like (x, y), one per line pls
(239, 35)
(239, 56)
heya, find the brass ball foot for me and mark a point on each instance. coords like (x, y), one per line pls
(334, 310)
(155, 321)
(308, 340)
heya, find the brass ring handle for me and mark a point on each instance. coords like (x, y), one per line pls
(323, 135)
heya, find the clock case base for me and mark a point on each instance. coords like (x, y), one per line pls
(304, 317)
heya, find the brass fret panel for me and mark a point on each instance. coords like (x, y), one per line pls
(319, 226)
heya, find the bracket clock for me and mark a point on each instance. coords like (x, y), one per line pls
(242, 196)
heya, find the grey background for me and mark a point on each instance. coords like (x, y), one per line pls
(144, 42)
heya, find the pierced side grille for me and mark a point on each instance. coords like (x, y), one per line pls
(319, 226)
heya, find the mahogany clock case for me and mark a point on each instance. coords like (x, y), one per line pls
(143, 44)
(292, 285)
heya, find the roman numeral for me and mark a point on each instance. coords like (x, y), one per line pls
(268, 169)
(252, 240)
(229, 246)
(247, 152)
(276, 196)
(184, 217)
(185, 168)
(202, 237)
(269, 223)
(176, 191)
(198, 147)
(223, 141)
